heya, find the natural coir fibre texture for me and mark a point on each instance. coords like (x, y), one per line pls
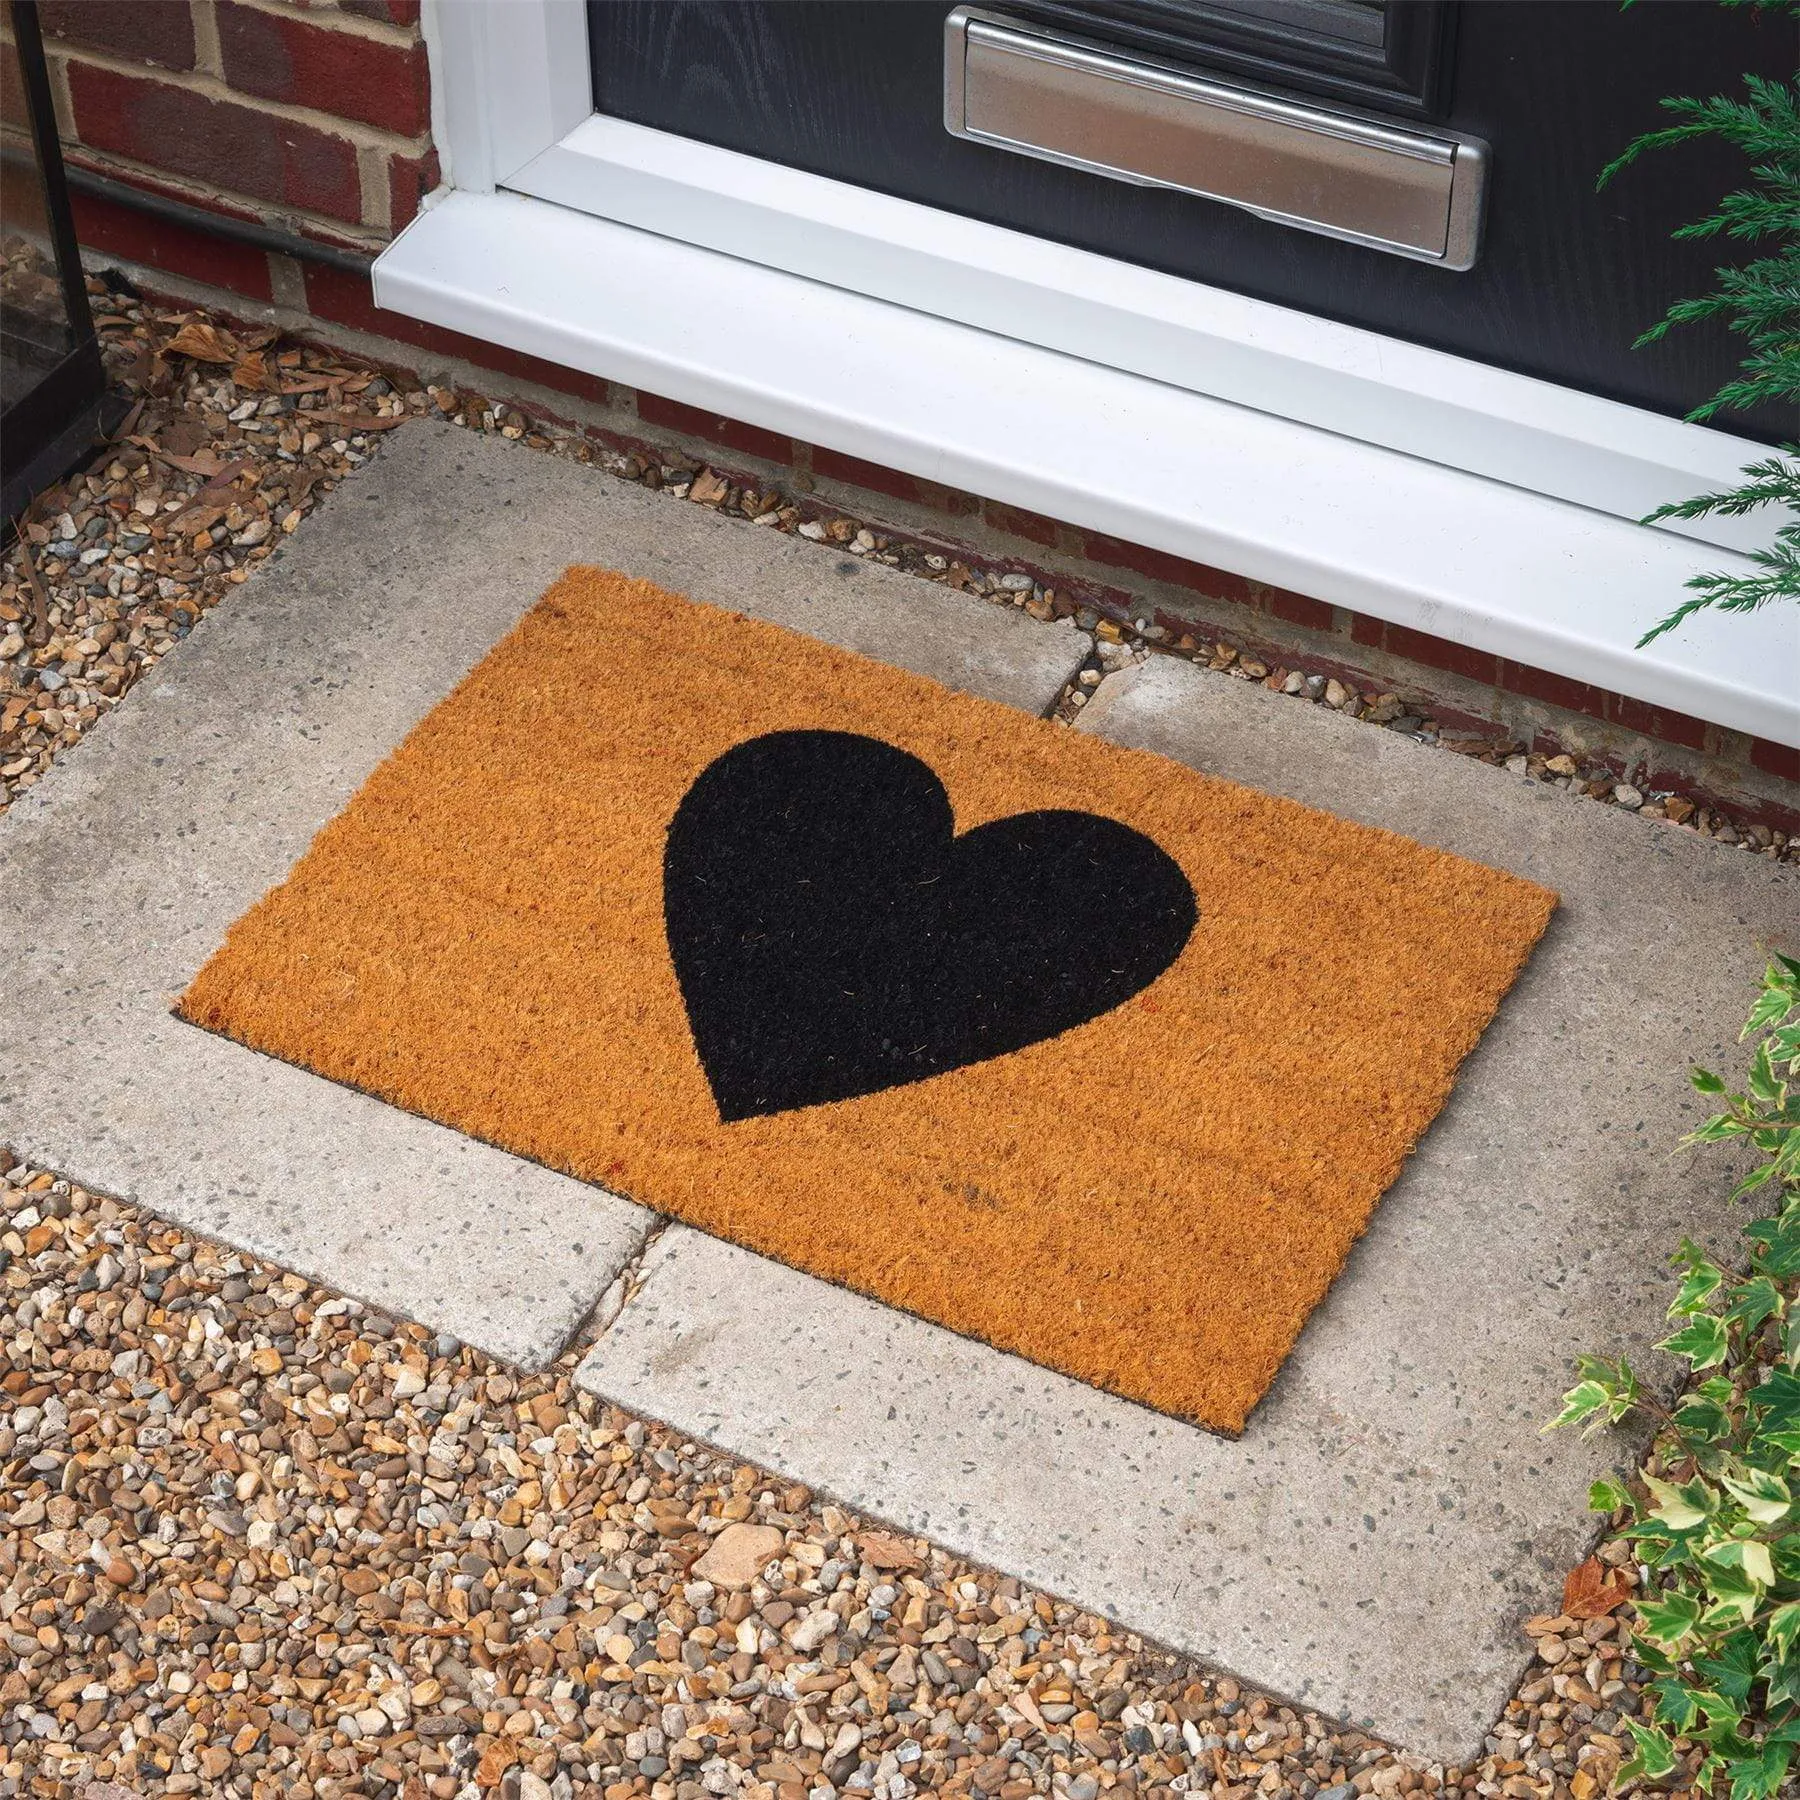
(1152, 1200)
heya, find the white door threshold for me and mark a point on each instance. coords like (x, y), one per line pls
(1538, 580)
(1359, 383)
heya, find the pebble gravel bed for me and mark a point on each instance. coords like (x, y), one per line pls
(257, 1540)
(229, 441)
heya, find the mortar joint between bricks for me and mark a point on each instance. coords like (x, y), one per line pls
(209, 53)
(344, 24)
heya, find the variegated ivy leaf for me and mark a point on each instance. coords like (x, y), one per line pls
(1668, 1617)
(1758, 1177)
(1653, 1757)
(1681, 1508)
(1778, 1400)
(1731, 1669)
(1704, 1341)
(1754, 1301)
(1737, 1608)
(1703, 1279)
(1777, 1243)
(1735, 1595)
(1715, 1130)
(1772, 1005)
(1764, 1087)
(1604, 1395)
(1608, 1496)
(1677, 1706)
(1762, 1773)
(1703, 1418)
(1763, 1495)
(1586, 1400)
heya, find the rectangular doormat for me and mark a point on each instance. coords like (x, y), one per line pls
(1060, 1045)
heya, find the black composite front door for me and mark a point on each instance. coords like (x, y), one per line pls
(1538, 94)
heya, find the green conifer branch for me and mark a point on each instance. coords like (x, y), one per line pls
(1760, 301)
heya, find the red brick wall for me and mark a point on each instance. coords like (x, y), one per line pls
(314, 118)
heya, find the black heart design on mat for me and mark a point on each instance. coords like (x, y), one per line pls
(833, 936)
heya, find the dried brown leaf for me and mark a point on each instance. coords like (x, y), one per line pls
(199, 518)
(129, 424)
(203, 462)
(885, 1550)
(1592, 1590)
(149, 373)
(254, 374)
(184, 436)
(360, 421)
(298, 487)
(204, 343)
(40, 599)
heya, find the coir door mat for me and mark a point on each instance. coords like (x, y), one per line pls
(1060, 1045)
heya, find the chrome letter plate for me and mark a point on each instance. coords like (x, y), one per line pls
(1019, 87)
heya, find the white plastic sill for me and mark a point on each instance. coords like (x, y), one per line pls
(1448, 409)
(1477, 561)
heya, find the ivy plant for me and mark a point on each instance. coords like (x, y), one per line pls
(1713, 1520)
(1760, 302)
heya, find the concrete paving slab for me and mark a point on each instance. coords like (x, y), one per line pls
(120, 872)
(1393, 1510)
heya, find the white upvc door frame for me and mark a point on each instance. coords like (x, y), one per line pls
(514, 105)
(509, 78)
(1484, 507)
